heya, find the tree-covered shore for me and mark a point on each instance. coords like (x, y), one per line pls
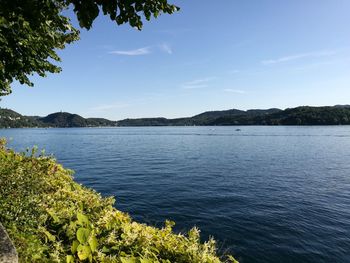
(304, 115)
(12, 119)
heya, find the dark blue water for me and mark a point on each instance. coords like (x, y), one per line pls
(267, 194)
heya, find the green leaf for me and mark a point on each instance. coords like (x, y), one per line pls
(74, 246)
(71, 229)
(232, 259)
(69, 259)
(105, 249)
(93, 243)
(83, 219)
(54, 216)
(83, 252)
(128, 260)
(49, 236)
(146, 260)
(83, 235)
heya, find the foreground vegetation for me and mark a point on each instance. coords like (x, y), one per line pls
(51, 218)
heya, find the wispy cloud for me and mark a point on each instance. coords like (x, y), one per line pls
(316, 54)
(166, 48)
(235, 91)
(133, 52)
(197, 84)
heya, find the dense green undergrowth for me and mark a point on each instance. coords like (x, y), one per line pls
(51, 218)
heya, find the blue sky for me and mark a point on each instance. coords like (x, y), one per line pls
(231, 54)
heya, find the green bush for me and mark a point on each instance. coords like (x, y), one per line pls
(51, 218)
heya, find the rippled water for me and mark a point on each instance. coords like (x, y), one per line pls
(267, 194)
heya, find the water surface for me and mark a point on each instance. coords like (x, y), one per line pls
(267, 194)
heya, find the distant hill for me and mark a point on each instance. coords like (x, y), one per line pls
(100, 122)
(205, 118)
(342, 106)
(209, 117)
(304, 115)
(64, 119)
(12, 119)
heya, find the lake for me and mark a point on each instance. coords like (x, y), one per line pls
(266, 194)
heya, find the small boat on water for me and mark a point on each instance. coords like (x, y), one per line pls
(238, 130)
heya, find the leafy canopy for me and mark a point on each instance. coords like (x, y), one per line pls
(32, 30)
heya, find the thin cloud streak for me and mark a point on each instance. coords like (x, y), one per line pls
(317, 54)
(237, 91)
(134, 52)
(166, 48)
(201, 86)
(197, 84)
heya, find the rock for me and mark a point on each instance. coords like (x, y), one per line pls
(8, 252)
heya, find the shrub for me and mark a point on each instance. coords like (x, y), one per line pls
(51, 218)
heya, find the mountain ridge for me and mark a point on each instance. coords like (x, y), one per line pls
(302, 115)
(12, 119)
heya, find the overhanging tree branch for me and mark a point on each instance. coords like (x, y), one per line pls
(32, 30)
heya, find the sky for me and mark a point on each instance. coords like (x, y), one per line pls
(212, 55)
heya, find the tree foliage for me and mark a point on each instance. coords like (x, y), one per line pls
(305, 115)
(120, 11)
(12, 119)
(31, 31)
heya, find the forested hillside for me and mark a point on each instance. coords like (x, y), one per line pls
(12, 119)
(304, 115)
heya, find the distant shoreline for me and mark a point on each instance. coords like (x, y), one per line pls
(176, 126)
(299, 116)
